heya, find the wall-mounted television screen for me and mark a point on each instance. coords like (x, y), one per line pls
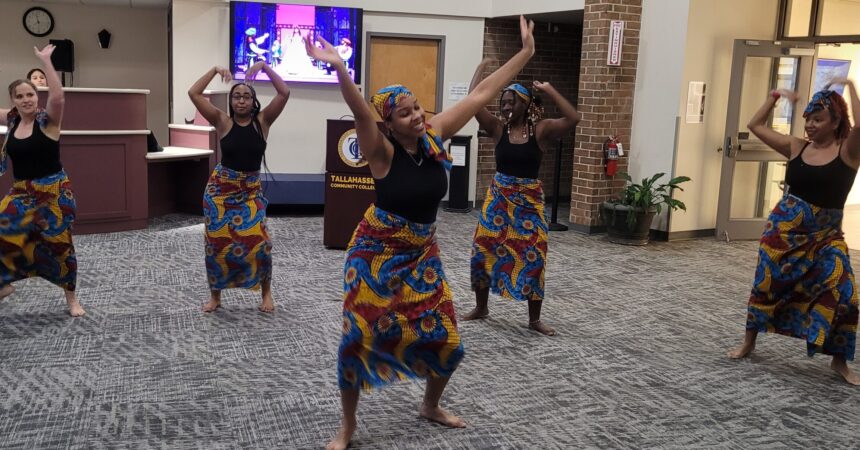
(274, 33)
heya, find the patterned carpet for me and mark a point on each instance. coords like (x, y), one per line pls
(638, 362)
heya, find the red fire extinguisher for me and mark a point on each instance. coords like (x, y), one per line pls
(610, 156)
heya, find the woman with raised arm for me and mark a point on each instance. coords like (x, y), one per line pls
(398, 315)
(804, 286)
(238, 248)
(510, 243)
(37, 214)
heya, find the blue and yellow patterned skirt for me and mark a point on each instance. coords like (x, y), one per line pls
(36, 218)
(510, 243)
(398, 316)
(804, 286)
(238, 248)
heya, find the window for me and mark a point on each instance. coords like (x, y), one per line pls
(820, 20)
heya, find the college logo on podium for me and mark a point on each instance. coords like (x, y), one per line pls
(349, 151)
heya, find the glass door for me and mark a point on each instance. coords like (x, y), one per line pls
(753, 174)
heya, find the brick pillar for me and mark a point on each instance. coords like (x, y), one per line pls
(606, 103)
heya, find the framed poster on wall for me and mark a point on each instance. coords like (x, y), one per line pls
(827, 69)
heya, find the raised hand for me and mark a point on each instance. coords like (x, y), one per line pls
(326, 54)
(252, 71)
(789, 95)
(526, 33)
(839, 80)
(226, 77)
(45, 53)
(541, 86)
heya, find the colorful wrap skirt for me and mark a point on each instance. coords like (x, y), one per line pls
(398, 316)
(36, 218)
(238, 248)
(510, 243)
(804, 286)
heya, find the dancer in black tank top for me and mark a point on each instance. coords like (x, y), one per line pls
(238, 247)
(395, 292)
(804, 286)
(510, 242)
(39, 210)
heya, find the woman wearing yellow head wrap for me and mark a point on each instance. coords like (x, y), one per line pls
(510, 243)
(398, 315)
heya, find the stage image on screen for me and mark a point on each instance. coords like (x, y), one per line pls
(274, 33)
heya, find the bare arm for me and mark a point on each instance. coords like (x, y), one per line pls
(3, 114)
(219, 119)
(488, 122)
(552, 129)
(449, 122)
(373, 144)
(784, 144)
(56, 97)
(852, 144)
(276, 106)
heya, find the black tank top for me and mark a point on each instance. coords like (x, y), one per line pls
(826, 186)
(242, 148)
(33, 157)
(518, 160)
(412, 190)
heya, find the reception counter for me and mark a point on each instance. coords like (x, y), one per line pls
(103, 147)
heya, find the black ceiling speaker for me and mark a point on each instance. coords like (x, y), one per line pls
(104, 38)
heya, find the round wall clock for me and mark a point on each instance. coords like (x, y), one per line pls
(38, 21)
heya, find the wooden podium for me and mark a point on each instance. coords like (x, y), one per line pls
(349, 188)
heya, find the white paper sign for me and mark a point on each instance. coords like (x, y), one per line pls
(458, 154)
(696, 102)
(457, 91)
(616, 39)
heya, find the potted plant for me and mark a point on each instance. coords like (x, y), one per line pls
(628, 217)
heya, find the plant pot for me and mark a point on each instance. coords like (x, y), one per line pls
(615, 219)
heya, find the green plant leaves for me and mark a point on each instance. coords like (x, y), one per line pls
(649, 195)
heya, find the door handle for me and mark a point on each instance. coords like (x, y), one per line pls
(731, 146)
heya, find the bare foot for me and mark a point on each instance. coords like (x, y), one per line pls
(6, 291)
(841, 367)
(75, 308)
(341, 440)
(542, 328)
(441, 416)
(741, 351)
(268, 304)
(212, 305)
(477, 313)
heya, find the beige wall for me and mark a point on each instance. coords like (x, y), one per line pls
(297, 139)
(708, 55)
(137, 57)
(501, 8)
(658, 91)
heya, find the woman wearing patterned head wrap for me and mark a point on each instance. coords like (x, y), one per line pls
(510, 243)
(238, 248)
(804, 286)
(36, 215)
(398, 316)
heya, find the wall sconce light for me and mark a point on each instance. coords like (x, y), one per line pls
(104, 38)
